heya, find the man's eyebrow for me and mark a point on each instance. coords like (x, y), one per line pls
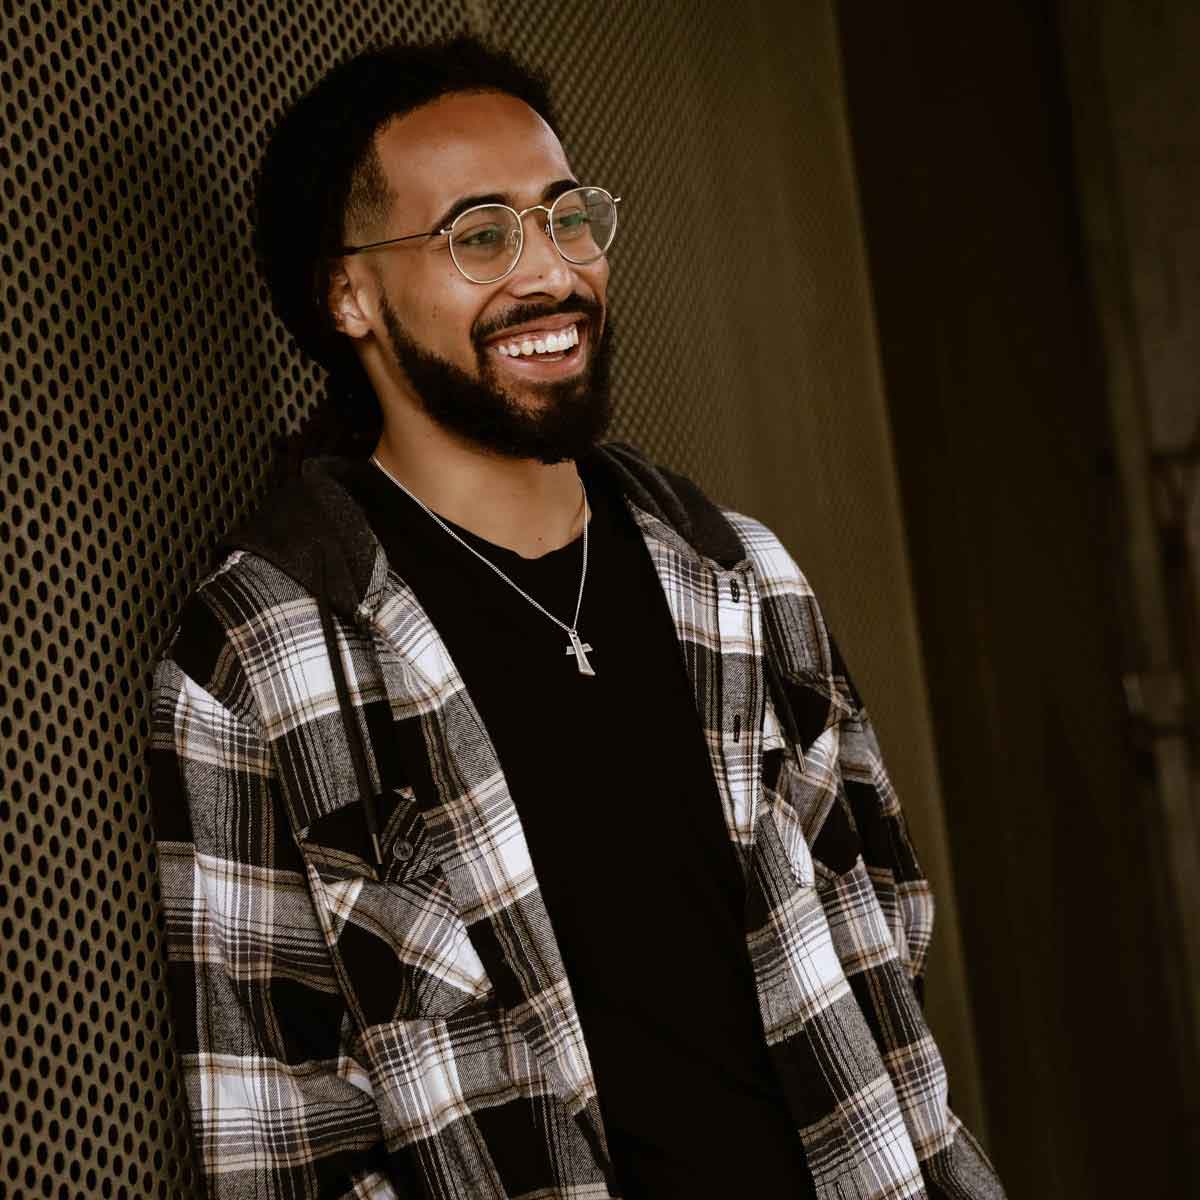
(550, 192)
(553, 190)
(461, 206)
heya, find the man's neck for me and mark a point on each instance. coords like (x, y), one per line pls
(520, 504)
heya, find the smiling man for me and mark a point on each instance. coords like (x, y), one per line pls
(520, 831)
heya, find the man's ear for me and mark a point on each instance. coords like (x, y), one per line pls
(351, 300)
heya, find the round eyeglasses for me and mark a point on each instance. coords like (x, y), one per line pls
(486, 241)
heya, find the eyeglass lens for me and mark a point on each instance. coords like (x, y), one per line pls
(486, 241)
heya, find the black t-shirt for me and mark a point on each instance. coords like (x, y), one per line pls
(614, 787)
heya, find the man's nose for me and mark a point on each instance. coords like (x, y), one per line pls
(541, 268)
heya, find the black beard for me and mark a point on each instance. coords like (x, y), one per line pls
(571, 417)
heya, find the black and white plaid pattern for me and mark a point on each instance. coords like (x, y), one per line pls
(350, 1029)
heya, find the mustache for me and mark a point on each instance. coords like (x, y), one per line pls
(519, 314)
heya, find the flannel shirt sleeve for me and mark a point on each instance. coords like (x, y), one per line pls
(953, 1164)
(278, 1105)
(899, 884)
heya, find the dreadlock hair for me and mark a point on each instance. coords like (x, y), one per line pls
(321, 172)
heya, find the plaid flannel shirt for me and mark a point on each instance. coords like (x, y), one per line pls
(361, 1024)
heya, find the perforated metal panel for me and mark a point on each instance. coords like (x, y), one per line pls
(144, 378)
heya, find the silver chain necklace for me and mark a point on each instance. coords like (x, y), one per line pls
(577, 647)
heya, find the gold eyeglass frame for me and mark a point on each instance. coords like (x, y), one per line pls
(548, 229)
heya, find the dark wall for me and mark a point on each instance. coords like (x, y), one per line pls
(996, 393)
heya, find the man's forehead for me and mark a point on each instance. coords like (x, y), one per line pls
(469, 143)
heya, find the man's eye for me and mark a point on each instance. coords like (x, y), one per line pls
(481, 237)
(572, 220)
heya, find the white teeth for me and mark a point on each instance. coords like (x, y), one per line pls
(550, 343)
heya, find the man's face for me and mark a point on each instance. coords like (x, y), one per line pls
(445, 333)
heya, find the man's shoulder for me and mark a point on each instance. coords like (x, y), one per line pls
(303, 544)
(773, 564)
(243, 602)
(712, 529)
(211, 628)
(243, 586)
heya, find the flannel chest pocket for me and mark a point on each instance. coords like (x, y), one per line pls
(397, 938)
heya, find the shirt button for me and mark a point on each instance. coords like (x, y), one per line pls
(402, 849)
(734, 590)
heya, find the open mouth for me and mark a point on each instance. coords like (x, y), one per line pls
(545, 351)
(550, 345)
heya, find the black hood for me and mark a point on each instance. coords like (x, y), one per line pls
(313, 530)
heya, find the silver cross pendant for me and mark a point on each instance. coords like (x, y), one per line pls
(580, 649)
